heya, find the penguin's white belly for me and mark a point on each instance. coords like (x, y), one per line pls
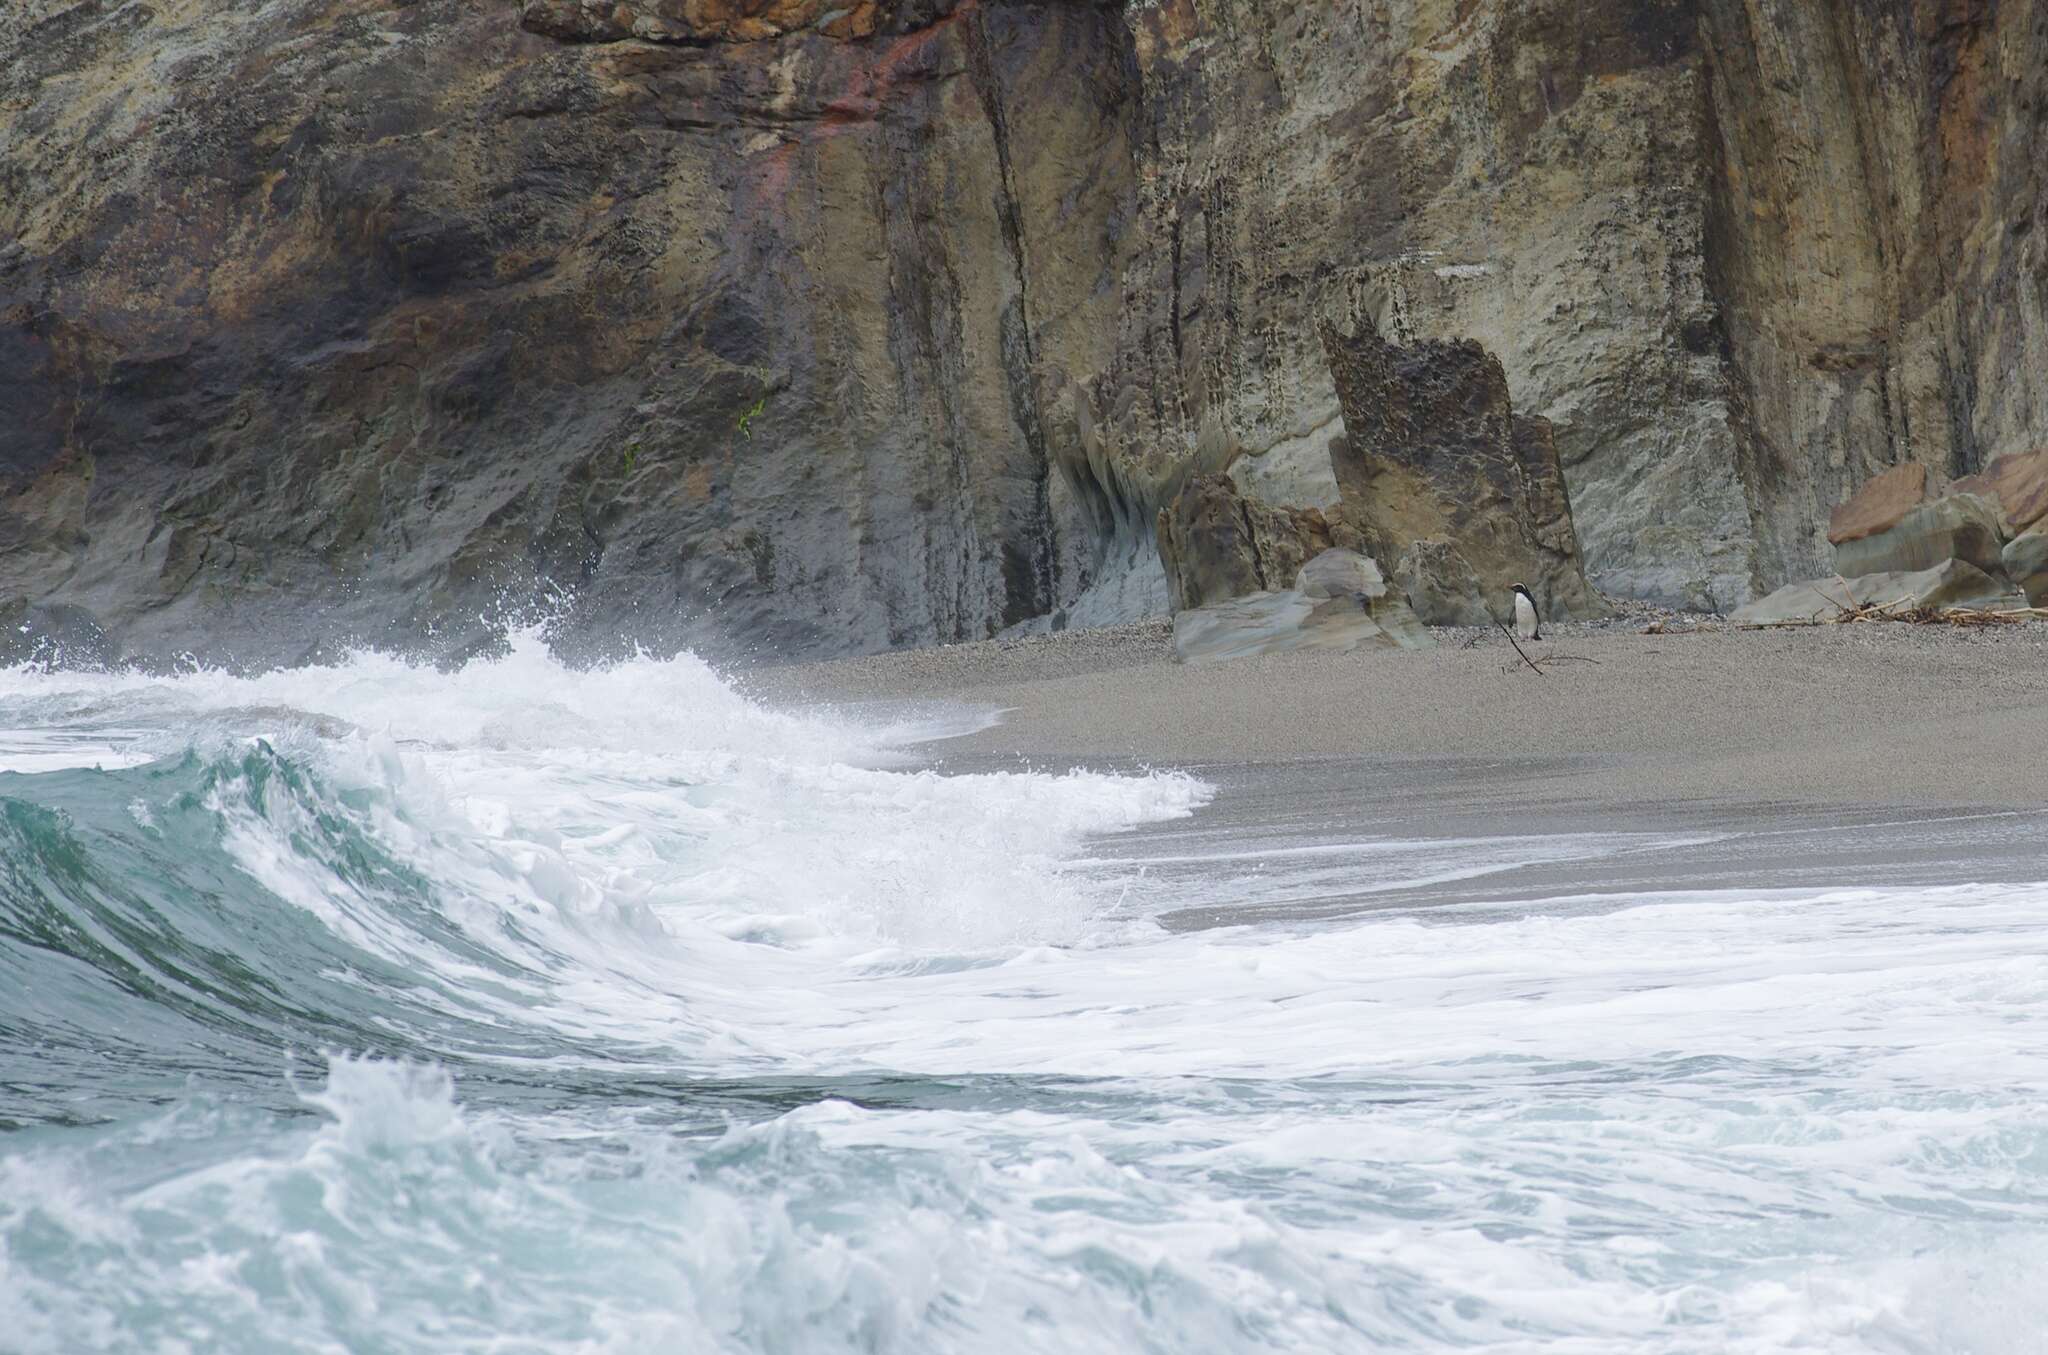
(1526, 623)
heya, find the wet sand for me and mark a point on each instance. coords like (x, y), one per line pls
(1842, 757)
(1862, 716)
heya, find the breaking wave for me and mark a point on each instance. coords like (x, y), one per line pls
(375, 1007)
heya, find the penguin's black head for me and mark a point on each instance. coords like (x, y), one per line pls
(1525, 593)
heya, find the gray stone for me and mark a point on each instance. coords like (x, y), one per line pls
(1952, 583)
(2026, 564)
(1440, 584)
(1954, 527)
(1216, 544)
(52, 636)
(1279, 623)
(1340, 573)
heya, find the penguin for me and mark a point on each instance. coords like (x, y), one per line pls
(1528, 625)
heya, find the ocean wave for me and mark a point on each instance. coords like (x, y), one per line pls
(376, 856)
(687, 1025)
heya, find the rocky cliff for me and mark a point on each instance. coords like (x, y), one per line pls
(814, 327)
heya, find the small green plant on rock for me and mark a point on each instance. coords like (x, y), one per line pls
(751, 415)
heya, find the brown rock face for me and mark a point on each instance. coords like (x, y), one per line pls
(1877, 183)
(1953, 527)
(819, 327)
(382, 318)
(709, 21)
(2019, 485)
(1879, 504)
(1216, 544)
(1447, 483)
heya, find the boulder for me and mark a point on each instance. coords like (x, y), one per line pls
(1217, 544)
(1879, 504)
(1284, 622)
(1441, 476)
(2018, 484)
(2026, 564)
(1954, 527)
(1952, 583)
(1441, 584)
(1340, 573)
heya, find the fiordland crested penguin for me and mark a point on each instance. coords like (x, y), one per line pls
(1528, 625)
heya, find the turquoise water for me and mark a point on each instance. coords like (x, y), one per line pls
(516, 1009)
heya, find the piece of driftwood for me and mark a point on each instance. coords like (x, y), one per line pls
(1541, 662)
(1909, 611)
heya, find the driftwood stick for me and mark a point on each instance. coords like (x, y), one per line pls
(1518, 649)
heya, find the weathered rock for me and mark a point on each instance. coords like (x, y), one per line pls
(379, 319)
(1875, 185)
(2019, 485)
(1956, 526)
(1879, 504)
(1340, 573)
(2026, 564)
(1216, 544)
(709, 21)
(1440, 476)
(835, 326)
(53, 637)
(1526, 175)
(1440, 583)
(1283, 622)
(1953, 583)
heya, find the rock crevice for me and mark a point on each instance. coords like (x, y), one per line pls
(797, 327)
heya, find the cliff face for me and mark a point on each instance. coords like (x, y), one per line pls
(1878, 180)
(1526, 175)
(330, 317)
(825, 327)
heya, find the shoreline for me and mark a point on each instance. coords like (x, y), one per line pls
(1854, 716)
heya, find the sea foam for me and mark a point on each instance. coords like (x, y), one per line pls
(532, 1008)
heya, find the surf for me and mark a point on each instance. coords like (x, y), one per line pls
(379, 1006)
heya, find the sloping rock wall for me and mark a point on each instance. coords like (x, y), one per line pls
(333, 317)
(1877, 180)
(812, 328)
(1526, 175)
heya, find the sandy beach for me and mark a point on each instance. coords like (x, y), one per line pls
(1863, 715)
(1862, 756)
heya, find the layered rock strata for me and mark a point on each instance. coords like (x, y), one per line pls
(1461, 496)
(340, 319)
(809, 327)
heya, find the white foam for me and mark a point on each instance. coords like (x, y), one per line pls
(33, 751)
(1672, 1123)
